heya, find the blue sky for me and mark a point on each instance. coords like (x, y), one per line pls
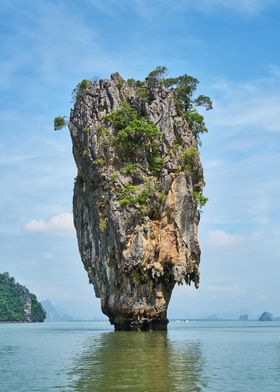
(48, 46)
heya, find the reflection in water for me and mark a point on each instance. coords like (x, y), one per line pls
(132, 361)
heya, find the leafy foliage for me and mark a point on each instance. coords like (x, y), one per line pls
(99, 162)
(134, 132)
(203, 100)
(188, 159)
(132, 194)
(103, 223)
(127, 196)
(138, 132)
(184, 87)
(59, 123)
(84, 84)
(156, 75)
(122, 117)
(200, 199)
(37, 311)
(130, 168)
(12, 299)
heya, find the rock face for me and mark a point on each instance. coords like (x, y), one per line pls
(135, 210)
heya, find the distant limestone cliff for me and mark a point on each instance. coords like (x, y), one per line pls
(17, 303)
(52, 315)
(138, 191)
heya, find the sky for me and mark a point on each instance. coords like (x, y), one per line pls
(232, 47)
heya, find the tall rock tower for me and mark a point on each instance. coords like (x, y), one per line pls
(137, 192)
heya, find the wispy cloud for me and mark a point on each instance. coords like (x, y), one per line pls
(147, 7)
(233, 290)
(248, 6)
(251, 104)
(47, 255)
(58, 224)
(221, 239)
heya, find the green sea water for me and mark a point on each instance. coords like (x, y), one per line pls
(89, 356)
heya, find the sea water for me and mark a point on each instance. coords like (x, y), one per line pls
(193, 356)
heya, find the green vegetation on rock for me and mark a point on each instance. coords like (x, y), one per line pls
(16, 303)
(59, 123)
(133, 134)
(188, 159)
(130, 145)
(184, 87)
(37, 311)
(140, 194)
(200, 199)
(130, 168)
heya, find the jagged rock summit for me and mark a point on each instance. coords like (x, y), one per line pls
(137, 192)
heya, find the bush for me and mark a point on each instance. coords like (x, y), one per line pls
(84, 84)
(114, 176)
(99, 162)
(200, 199)
(139, 132)
(155, 162)
(188, 159)
(121, 117)
(130, 168)
(156, 76)
(79, 180)
(132, 195)
(134, 132)
(184, 87)
(127, 196)
(120, 84)
(196, 122)
(102, 223)
(59, 123)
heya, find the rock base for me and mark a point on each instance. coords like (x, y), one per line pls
(142, 325)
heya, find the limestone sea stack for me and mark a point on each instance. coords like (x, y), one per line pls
(137, 192)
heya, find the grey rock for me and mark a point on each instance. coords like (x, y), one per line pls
(134, 258)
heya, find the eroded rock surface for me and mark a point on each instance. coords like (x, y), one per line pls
(135, 252)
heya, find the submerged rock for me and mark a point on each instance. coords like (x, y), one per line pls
(136, 197)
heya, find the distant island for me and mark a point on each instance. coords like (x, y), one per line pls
(266, 316)
(17, 304)
(53, 314)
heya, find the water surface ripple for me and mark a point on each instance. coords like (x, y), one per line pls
(197, 356)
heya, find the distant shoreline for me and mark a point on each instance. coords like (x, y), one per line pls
(21, 322)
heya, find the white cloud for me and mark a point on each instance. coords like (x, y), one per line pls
(225, 290)
(146, 8)
(47, 255)
(252, 105)
(221, 239)
(248, 6)
(58, 224)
